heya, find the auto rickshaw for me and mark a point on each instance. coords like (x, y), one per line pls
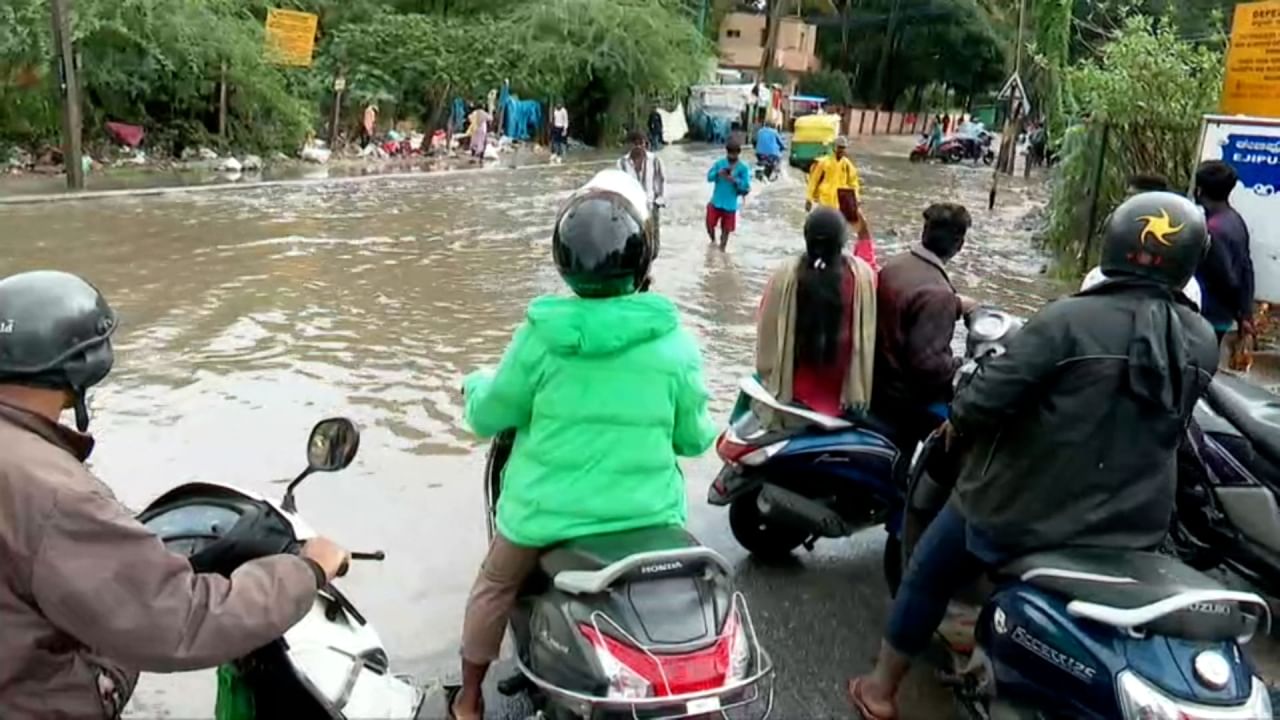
(813, 137)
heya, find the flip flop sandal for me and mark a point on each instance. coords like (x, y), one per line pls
(450, 697)
(854, 692)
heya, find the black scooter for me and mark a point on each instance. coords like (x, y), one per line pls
(1228, 510)
(638, 624)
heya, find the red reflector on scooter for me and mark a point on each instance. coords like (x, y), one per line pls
(670, 674)
(730, 451)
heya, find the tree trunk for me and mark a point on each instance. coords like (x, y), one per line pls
(774, 20)
(882, 76)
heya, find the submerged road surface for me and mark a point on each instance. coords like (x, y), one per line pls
(247, 316)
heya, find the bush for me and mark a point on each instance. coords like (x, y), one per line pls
(1149, 88)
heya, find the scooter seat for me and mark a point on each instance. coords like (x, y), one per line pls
(1252, 410)
(595, 552)
(1140, 591)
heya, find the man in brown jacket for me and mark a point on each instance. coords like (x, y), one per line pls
(88, 596)
(916, 318)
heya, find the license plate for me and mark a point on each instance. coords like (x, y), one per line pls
(703, 705)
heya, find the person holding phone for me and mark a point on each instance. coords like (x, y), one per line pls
(732, 180)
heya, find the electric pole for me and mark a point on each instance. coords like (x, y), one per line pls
(69, 91)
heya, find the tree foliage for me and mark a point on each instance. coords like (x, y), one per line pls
(158, 63)
(833, 85)
(1146, 90)
(929, 42)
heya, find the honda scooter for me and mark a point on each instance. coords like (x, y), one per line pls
(639, 624)
(332, 664)
(821, 476)
(1096, 633)
(1228, 480)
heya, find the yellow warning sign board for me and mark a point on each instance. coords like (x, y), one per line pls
(291, 37)
(1252, 84)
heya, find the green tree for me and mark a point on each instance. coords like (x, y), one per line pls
(1148, 88)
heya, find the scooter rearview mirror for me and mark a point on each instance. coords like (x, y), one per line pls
(332, 447)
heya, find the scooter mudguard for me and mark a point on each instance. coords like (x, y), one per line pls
(1043, 657)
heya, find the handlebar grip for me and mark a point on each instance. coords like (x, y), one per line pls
(378, 556)
(342, 570)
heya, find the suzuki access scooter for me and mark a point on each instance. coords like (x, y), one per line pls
(1228, 479)
(1096, 633)
(821, 476)
(332, 664)
(639, 624)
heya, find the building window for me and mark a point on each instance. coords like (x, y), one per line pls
(733, 33)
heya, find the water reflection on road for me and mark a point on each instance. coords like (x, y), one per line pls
(249, 316)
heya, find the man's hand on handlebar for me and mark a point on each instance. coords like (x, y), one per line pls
(967, 304)
(331, 557)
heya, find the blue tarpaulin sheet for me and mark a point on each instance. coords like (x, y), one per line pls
(458, 116)
(520, 118)
(808, 99)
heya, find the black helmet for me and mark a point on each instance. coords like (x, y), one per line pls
(55, 332)
(825, 234)
(604, 241)
(1156, 235)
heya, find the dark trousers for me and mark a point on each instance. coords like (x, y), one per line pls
(941, 566)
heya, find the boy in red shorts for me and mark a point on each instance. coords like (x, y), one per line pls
(732, 180)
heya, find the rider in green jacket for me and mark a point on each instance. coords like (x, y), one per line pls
(604, 390)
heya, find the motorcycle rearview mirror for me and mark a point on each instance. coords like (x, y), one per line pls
(332, 447)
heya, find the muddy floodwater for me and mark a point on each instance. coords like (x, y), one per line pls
(249, 315)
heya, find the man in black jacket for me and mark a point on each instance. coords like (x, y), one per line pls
(1070, 438)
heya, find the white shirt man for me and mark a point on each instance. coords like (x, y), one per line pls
(646, 168)
(560, 119)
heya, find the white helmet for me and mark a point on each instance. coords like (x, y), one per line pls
(1191, 291)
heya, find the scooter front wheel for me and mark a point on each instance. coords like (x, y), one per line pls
(760, 536)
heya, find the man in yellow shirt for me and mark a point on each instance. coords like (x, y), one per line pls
(829, 174)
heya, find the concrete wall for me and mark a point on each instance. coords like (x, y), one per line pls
(880, 122)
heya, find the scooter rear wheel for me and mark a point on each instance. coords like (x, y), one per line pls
(761, 537)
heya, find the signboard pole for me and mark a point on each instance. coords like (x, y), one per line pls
(222, 102)
(339, 85)
(70, 94)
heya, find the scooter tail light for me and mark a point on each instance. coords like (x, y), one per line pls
(625, 682)
(730, 450)
(760, 456)
(634, 673)
(1141, 701)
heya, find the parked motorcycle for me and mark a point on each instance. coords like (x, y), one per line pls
(1228, 480)
(956, 149)
(1095, 633)
(332, 664)
(821, 476)
(639, 624)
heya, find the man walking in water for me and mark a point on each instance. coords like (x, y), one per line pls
(646, 167)
(831, 173)
(559, 132)
(732, 180)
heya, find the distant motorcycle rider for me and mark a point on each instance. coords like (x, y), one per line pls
(1070, 438)
(88, 596)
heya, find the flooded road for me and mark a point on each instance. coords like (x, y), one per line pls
(248, 316)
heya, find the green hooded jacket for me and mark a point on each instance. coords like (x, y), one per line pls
(604, 395)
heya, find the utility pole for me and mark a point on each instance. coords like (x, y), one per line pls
(69, 86)
(1008, 144)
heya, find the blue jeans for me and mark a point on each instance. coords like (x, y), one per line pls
(941, 566)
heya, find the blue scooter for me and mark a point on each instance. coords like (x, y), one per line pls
(821, 476)
(1096, 633)
(1092, 633)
